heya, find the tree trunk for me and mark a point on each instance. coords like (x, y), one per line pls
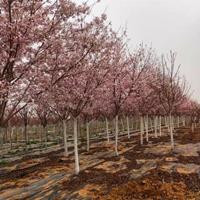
(141, 130)
(54, 130)
(178, 122)
(77, 169)
(128, 127)
(151, 123)
(136, 124)
(11, 129)
(88, 135)
(171, 131)
(65, 137)
(5, 136)
(166, 122)
(123, 128)
(147, 128)
(116, 134)
(160, 125)
(195, 124)
(107, 131)
(1, 137)
(192, 127)
(25, 134)
(46, 135)
(97, 127)
(173, 123)
(16, 135)
(41, 136)
(8, 133)
(183, 120)
(132, 123)
(21, 134)
(79, 131)
(155, 126)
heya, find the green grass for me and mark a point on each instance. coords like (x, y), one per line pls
(12, 151)
(3, 162)
(32, 142)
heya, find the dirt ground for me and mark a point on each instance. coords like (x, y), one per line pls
(152, 171)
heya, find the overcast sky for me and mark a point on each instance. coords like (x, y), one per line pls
(166, 24)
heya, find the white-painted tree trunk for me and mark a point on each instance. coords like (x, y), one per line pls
(17, 129)
(178, 122)
(54, 129)
(116, 134)
(97, 127)
(165, 121)
(141, 130)
(10, 129)
(107, 131)
(136, 124)
(1, 137)
(65, 138)
(168, 124)
(77, 169)
(46, 135)
(147, 128)
(128, 127)
(184, 121)
(192, 127)
(155, 126)
(88, 136)
(152, 125)
(173, 123)
(160, 125)
(195, 124)
(132, 123)
(171, 132)
(123, 127)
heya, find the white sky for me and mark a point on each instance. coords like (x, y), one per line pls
(166, 24)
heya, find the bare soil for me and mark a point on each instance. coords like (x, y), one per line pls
(151, 171)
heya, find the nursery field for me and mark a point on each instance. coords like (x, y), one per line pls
(149, 171)
(85, 114)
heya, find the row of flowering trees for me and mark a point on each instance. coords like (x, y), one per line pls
(58, 62)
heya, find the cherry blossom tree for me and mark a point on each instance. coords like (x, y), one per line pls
(80, 86)
(125, 78)
(28, 30)
(171, 89)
